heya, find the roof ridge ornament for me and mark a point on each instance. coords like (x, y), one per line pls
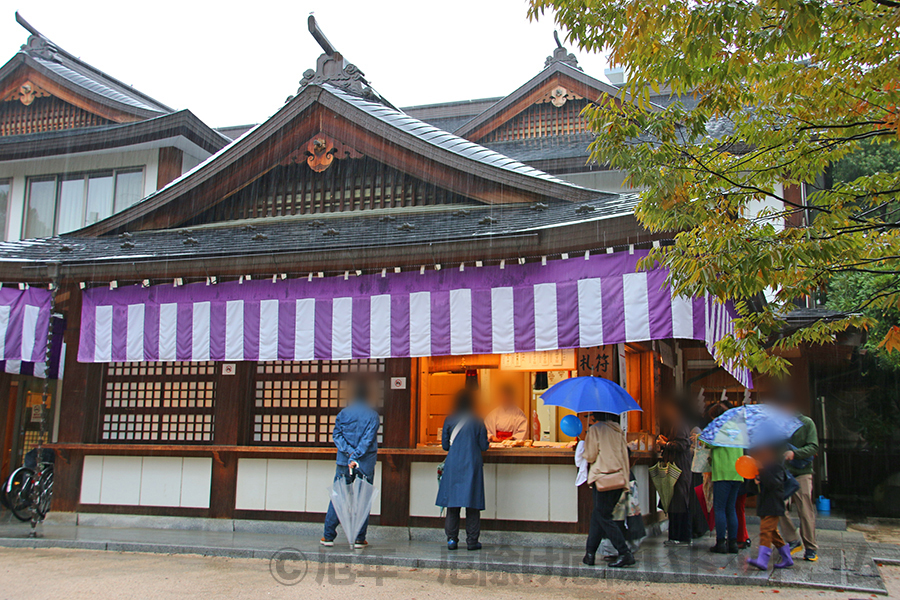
(333, 69)
(561, 55)
(37, 43)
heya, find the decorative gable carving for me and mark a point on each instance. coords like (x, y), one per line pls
(26, 93)
(319, 152)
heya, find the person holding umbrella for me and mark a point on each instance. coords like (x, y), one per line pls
(356, 436)
(606, 449)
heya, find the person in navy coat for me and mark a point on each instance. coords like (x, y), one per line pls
(462, 482)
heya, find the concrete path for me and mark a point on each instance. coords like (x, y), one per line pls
(847, 561)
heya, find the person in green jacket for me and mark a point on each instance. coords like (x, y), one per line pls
(726, 487)
(802, 449)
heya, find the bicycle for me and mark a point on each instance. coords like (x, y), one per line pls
(29, 490)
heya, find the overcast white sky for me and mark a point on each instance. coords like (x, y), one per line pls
(235, 62)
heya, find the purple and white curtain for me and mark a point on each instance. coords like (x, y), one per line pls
(24, 323)
(569, 303)
(42, 369)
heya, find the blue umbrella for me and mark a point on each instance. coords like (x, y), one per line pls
(750, 426)
(590, 394)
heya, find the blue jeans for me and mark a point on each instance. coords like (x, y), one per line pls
(331, 518)
(725, 495)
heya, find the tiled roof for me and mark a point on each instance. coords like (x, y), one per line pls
(323, 232)
(441, 139)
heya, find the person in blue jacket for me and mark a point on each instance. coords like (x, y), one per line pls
(356, 436)
(462, 482)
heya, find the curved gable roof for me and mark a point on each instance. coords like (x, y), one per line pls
(378, 131)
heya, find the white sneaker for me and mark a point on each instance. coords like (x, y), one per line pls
(328, 543)
(360, 545)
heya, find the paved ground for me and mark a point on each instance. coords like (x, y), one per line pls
(95, 575)
(847, 558)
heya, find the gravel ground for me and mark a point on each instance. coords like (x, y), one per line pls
(96, 575)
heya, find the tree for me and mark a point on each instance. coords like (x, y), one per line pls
(767, 95)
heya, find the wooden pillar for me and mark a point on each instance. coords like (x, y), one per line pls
(395, 486)
(233, 396)
(398, 401)
(169, 166)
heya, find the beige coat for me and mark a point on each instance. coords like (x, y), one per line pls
(607, 451)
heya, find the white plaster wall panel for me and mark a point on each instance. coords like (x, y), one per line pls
(286, 485)
(251, 484)
(563, 494)
(376, 503)
(642, 477)
(196, 481)
(121, 483)
(423, 487)
(91, 478)
(491, 487)
(319, 477)
(161, 480)
(523, 492)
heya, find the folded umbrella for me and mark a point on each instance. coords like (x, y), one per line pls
(590, 394)
(664, 475)
(352, 497)
(750, 426)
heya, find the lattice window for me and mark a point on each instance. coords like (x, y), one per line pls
(350, 184)
(169, 402)
(44, 114)
(541, 120)
(296, 403)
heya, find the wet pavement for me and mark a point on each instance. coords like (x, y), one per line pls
(846, 560)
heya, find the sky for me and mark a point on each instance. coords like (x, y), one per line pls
(236, 63)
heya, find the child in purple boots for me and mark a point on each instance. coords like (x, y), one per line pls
(770, 507)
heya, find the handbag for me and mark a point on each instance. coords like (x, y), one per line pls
(456, 430)
(614, 480)
(791, 485)
(702, 460)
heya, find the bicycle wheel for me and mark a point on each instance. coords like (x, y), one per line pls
(18, 493)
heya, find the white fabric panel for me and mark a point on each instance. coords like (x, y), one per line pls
(134, 336)
(461, 321)
(546, 336)
(234, 330)
(268, 330)
(637, 307)
(304, 329)
(200, 331)
(168, 325)
(103, 334)
(503, 333)
(590, 313)
(342, 328)
(682, 317)
(420, 324)
(380, 326)
(4, 325)
(29, 331)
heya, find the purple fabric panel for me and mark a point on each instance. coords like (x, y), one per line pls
(400, 325)
(151, 332)
(613, 301)
(87, 336)
(251, 329)
(324, 310)
(523, 303)
(361, 328)
(17, 300)
(567, 314)
(184, 347)
(659, 298)
(287, 329)
(699, 307)
(440, 323)
(482, 339)
(217, 331)
(119, 333)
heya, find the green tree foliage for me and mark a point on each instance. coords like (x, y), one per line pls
(768, 94)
